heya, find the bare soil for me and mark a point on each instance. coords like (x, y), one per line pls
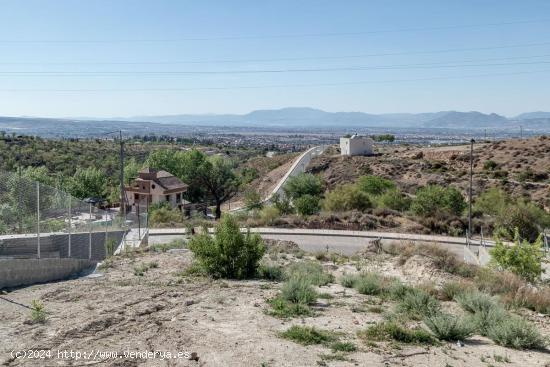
(223, 322)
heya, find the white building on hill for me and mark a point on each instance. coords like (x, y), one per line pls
(356, 145)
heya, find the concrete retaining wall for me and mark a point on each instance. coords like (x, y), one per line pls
(19, 272)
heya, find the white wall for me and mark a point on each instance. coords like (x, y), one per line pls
(356, 146)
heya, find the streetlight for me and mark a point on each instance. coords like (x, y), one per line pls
(470, 190)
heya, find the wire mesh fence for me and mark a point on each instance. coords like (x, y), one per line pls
(40, 221)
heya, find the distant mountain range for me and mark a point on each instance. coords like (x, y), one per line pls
(292, 118)
(309, 117)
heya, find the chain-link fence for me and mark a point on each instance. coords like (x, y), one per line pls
(40, 221)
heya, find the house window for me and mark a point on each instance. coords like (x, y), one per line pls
(167, 197)
(153, 186)
(136, 196)
(178, 197)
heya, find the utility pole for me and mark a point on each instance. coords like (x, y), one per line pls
(122, 195)
(470, 190)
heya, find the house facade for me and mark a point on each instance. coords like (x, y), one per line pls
(155, 186)
(356, 145)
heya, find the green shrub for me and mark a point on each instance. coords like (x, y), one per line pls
(307, 205)
(348, 281)
(283, 204)
(163, 247)
(395, 200)
(271, 272)
(374, 185)
(307, 335)
(343, 347)
(303, 184)
(397, 290)
(433, 198)
(229, 253)
(490, 165)
(449, 327)
(450, 290)
(393, 331)
(475, 302)
(369, 283)
(484, 319)
(252, 200)
(418, 304)
(269, 214)
(38, 312)
(522, 258)
(346, 197)
(492, 202)
(514, 332)
(284, 309)
(522, 216)
(164, 215)
(298, 290)
(311, 271)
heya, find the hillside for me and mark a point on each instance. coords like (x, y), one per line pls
(521, 167)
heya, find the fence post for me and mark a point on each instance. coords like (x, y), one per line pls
(90, 235)
(70, 226)
(38, 219)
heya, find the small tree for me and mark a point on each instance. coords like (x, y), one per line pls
(394, 199)
(229, 253)
(347, 197)
(303, 184)
(282, 203)
(522, 258)
(89, 182)
(433, 198)
(374, 185)
(307, 205)
(252, 200)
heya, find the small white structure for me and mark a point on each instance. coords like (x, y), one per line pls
(356, 145)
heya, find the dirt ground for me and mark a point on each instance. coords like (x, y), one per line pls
(217, 322)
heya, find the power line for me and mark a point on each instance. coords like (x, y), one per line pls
(400, 53)
(295, 35)
(264, 71)
(278, 85)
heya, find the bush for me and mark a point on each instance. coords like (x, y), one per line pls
(475, 302)
(451, 290)
(307, 205)
(369, 283)
(492, 202)
(522, 258)
(348, 281)
(374, 185)
(514, 332)
(307, 335)
(526, 217)
(282, 203)
(346, 197)
(433, 198)
(298, 290)
(311, 271)
(269, 214)
(418, 304)
(164, 215)
(303, 184)
(490, 165)
(284, 309)
(395, 200)
(271, 272)
(38, 312)
(252, 200)
(393, 331)
(229, 253)
(484, 319)
(449, 327)
(343, 347)
(397, 290)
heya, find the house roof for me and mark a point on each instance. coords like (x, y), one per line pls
(164, 179)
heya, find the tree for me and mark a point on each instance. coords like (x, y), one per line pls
(434, 198)
(218, 178)
(131, 169)
(394, 199)
(307, 205)
(492, 202)
(526, 217)
(374, 185)
(303, 184)
(229, 253)
(88, 182)
(522, 258)
(347, 197)
(252, 200)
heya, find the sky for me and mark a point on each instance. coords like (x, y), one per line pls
(115, 58)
